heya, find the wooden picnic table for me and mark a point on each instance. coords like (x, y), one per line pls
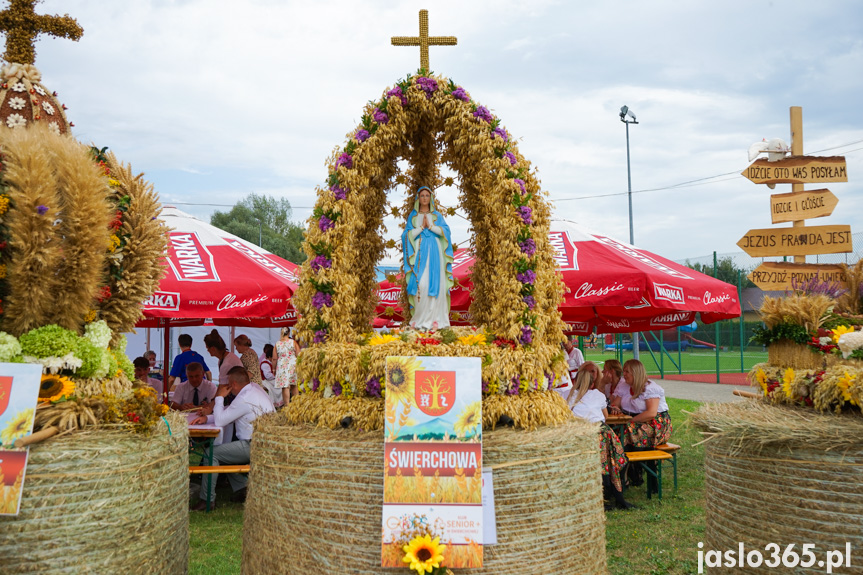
(621, 419)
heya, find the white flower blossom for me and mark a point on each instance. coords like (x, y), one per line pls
(39, 90)
(54, 127)
(17, 103)
(848, 342)
(9, 346)
(16, 120)
(49, 109)
(825, 340)
(19, 87)
(98, 333)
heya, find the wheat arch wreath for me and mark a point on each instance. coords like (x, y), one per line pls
(429, 120)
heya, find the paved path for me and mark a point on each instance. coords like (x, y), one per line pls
(713, 392)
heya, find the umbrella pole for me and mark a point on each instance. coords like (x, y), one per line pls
(165, 368)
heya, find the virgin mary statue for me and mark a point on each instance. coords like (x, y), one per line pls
(428, 255)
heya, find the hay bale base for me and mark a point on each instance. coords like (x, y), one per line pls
(315, 497)
(785, 353)
(103, 501)
(781, 475)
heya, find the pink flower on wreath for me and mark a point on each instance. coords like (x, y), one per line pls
(339, 193)
(428, 85)
(321, 299)
(325, 224)
(500, 132)
(520, 183)
(397, 92)
(483, 114)
(362, 135)
(320, 336)
(512, 160)
(460, 94)
(321, 262)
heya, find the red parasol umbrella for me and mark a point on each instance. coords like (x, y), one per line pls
(612, 286)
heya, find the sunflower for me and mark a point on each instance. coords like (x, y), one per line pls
(844, 385)
(55, 388)
(19, 426)
(761, 377)
(400, 378)
(468, 419)
(381, 339)
(423, 553)
(839, 331)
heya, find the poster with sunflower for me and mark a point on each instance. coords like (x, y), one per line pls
(432, 511)
(19, 393)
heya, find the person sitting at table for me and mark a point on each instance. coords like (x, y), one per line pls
(250, 402)
(644, 400)
(142, 370)
(195, 391)
(589, 403)
(184, 358)
(612, 376)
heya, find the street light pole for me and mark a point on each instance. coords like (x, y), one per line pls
(628, 117)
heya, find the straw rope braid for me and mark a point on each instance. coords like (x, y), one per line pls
(781, 475)
(322, 517)
(96, 502)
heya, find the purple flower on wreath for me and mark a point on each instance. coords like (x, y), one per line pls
(337, 389)
(485, 383)
(512, 160)
(41, 209)
(528, 247)
(345, 160)
(397, 92)
(461, 94)
(500, 132)
(530, 301)
(380, 117)
(518, 181)
(483, 114)
(320, 336)
(526, 215)
(513, 388)
(362, 135)
(326, 223)
(322, 299)
(321, 262)
(316, 383)
(428, 85)
(339, 193)
(526, 335)
(373, 387)
(526, 277)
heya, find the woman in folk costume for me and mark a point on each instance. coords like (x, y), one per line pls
(428, 255)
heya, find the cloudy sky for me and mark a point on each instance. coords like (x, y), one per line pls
(214, 99)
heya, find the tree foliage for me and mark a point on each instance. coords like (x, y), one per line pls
(277, 233)
(726, 271)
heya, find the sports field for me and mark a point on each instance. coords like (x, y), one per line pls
(696, 361)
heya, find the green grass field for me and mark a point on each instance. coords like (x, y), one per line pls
(658, 538)
(695, 361)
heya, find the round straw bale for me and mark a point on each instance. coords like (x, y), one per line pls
(776, 474)
(103, 501)
(315, 500)
(786, 353)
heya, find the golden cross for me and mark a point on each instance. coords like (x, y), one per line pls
(22, 25)
(424, 40)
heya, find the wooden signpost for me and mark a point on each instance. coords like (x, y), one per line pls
(798, 170)
(807, 241)
(796, 207)
(803, 205)
(781, 276)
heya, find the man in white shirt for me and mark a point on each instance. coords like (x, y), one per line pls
(250, 401)
(195, 391)
(574, 357)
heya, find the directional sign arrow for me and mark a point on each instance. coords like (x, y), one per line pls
(798, 170)
(781, 276)
(802, 241)
(795, 206)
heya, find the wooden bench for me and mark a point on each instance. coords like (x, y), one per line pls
(203, 469)
(644, 457)
(672, 449)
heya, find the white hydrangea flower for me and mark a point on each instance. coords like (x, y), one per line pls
(17, 103)
(98, 333)
(848, 342)
(49, 109)
(9, 346)
(19, 87)
(825, 340)
(16, 121)
(39, 90)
